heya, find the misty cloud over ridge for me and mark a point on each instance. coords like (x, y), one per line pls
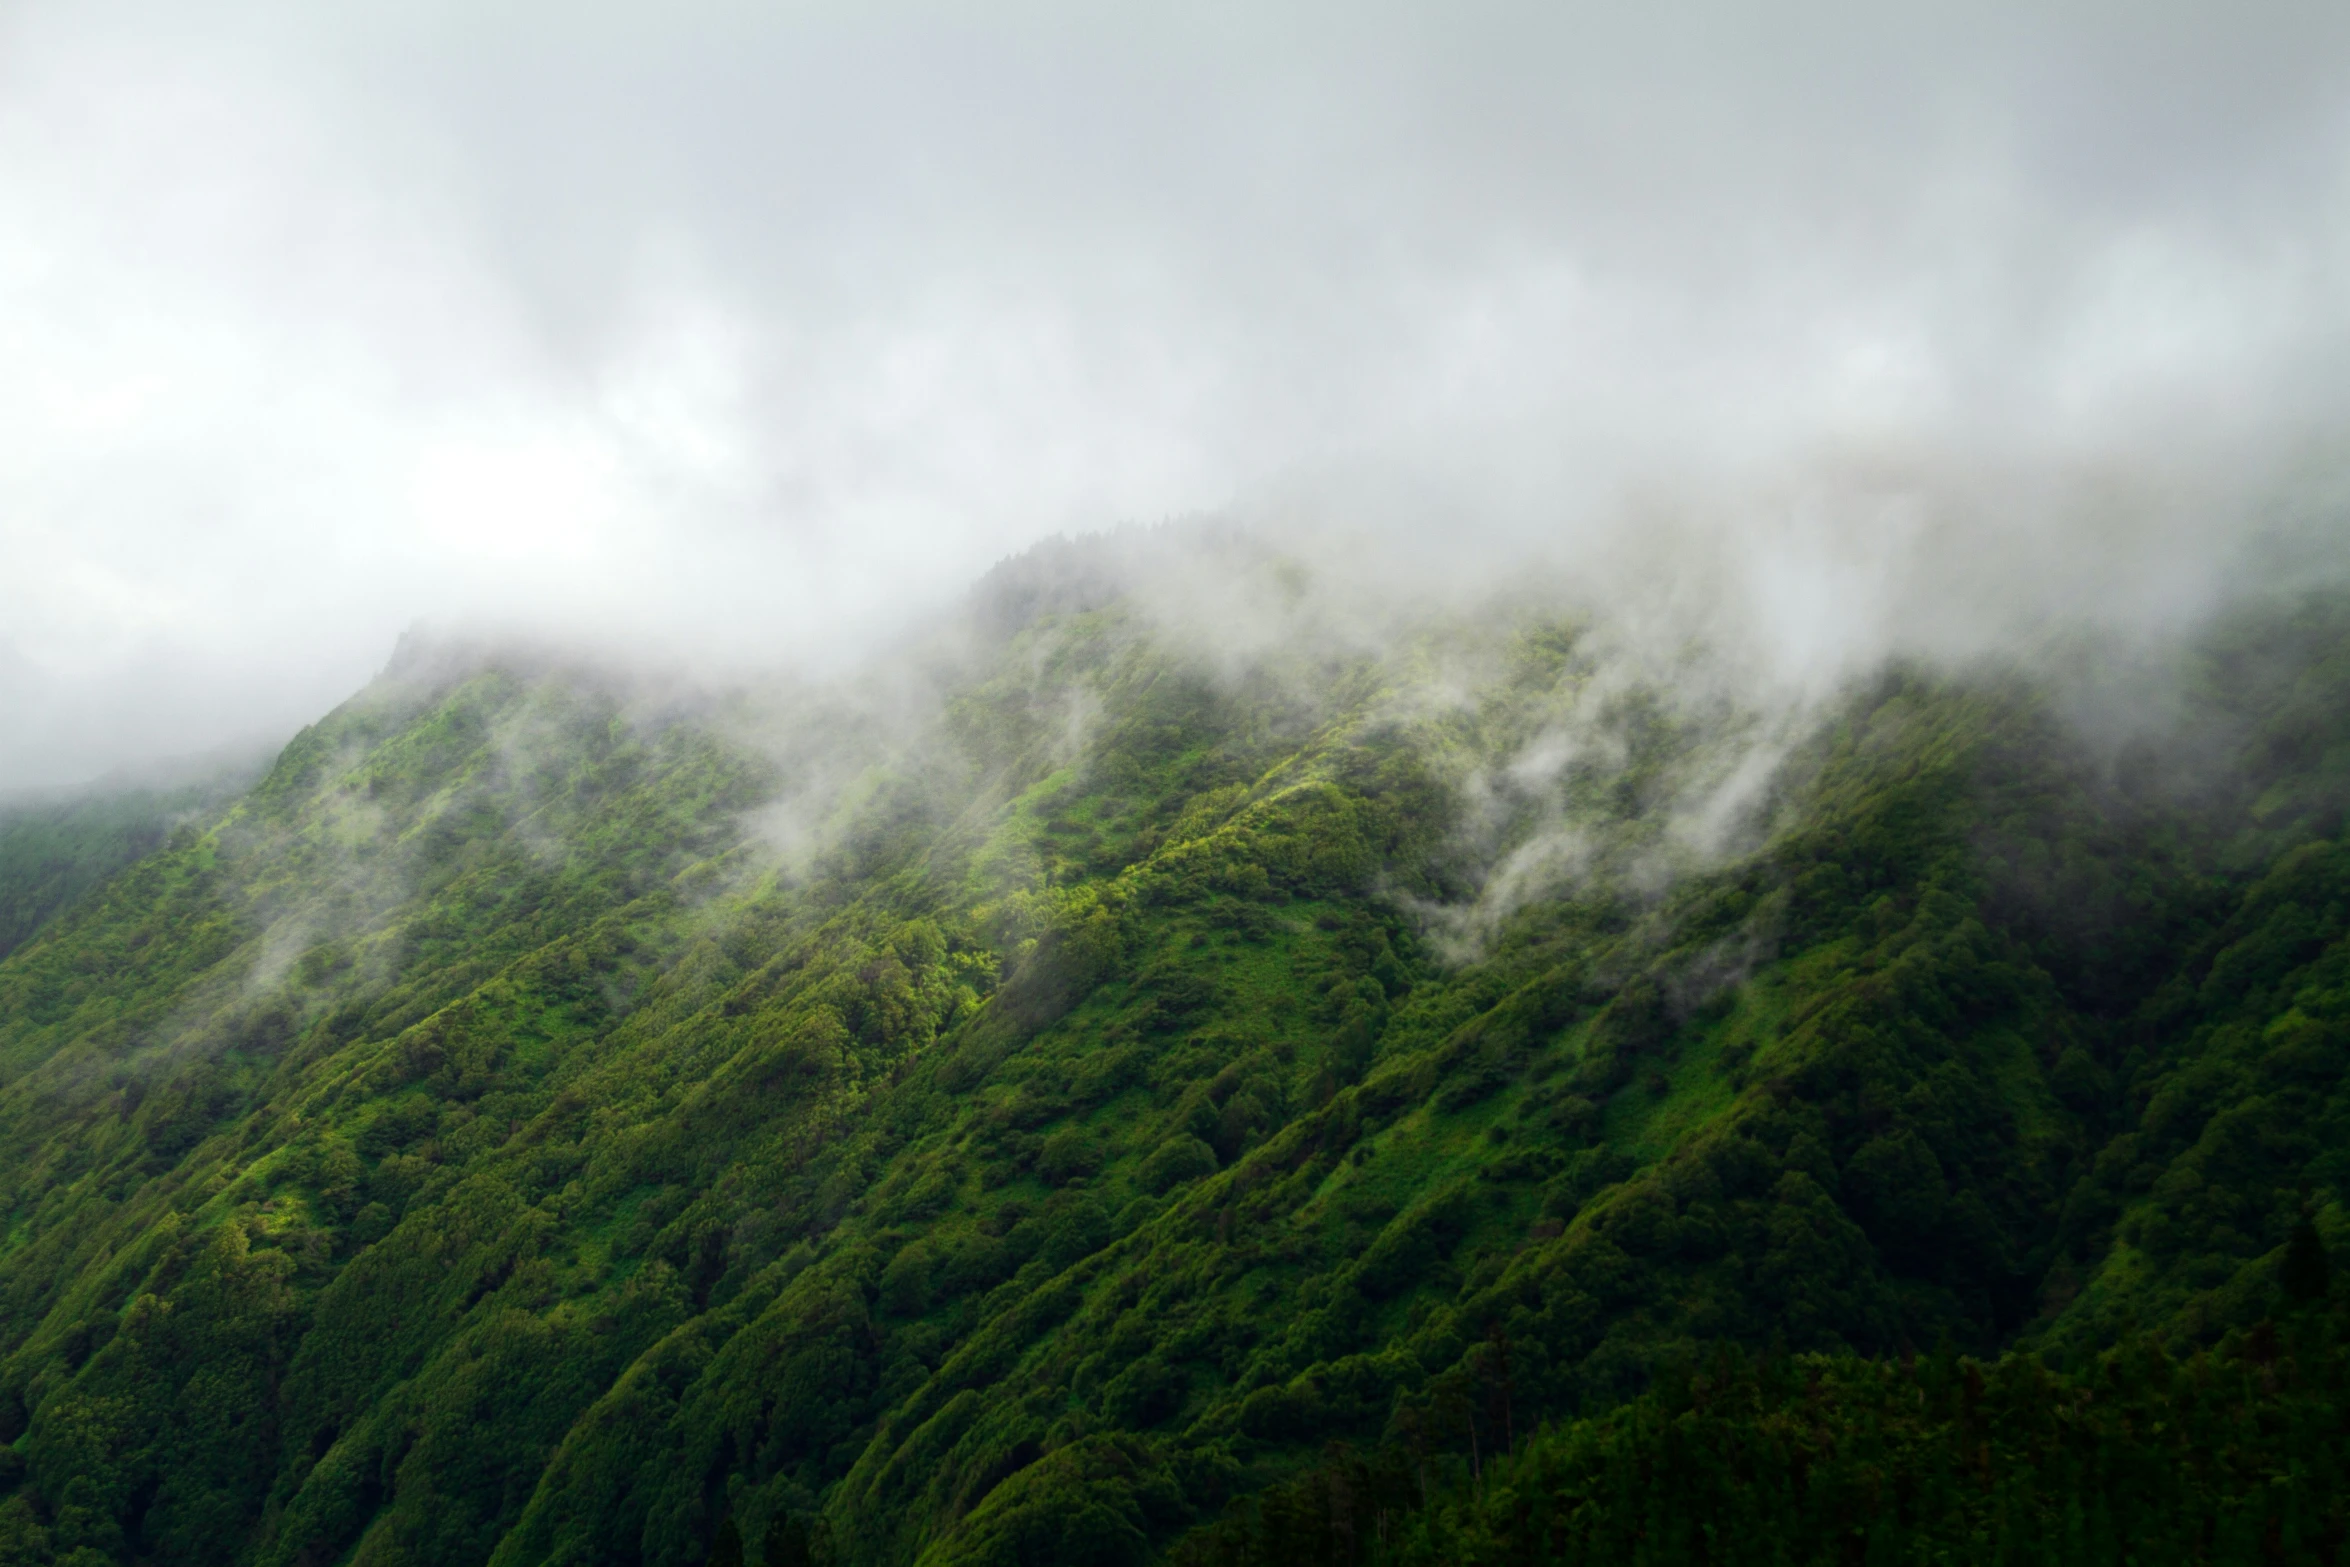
(744, 337)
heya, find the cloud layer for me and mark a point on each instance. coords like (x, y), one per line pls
(742, 334)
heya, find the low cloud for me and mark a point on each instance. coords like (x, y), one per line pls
(730, 338)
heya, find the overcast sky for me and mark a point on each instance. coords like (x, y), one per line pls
(745, 332)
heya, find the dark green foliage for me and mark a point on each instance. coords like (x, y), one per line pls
(2304, 1272)
(2239, 1456)
(787, 1544)
(532, 1126)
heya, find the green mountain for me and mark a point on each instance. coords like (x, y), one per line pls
(1028, 1105)
(56, 850)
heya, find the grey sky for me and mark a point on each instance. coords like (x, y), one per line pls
(739, 333)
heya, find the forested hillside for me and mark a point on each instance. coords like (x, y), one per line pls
(1025, 1107)
(54, 851)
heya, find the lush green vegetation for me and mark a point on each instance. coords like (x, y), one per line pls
(541, 1125)
(53, 851)
(2232, 1456)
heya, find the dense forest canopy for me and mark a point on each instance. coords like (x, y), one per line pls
(1105, 1087)
(55, 848)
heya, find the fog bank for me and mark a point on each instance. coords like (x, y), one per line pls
(736, 337)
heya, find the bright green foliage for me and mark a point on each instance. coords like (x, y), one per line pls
(537, 1126)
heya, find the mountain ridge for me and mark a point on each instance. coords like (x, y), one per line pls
(502, 1136)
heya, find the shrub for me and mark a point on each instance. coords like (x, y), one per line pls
(1179, 1159)
(1070, 1154)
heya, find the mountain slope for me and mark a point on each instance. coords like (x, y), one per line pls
(55, 851)
(1009, 1120)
